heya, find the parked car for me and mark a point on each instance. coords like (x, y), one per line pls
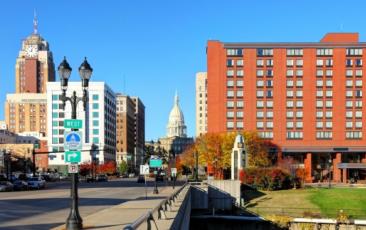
(141, 179)
(6, 186)
(20, 185)
(36, 183)
(102, 177)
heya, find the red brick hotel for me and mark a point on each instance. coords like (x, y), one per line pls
(307, 98)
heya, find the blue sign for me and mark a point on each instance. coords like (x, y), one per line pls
(73, 140)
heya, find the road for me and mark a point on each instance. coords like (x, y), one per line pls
(50, 207)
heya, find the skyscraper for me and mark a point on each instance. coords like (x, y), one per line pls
(201, 103)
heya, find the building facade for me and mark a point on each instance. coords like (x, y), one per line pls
(130, 130)
(307, 98)
(201, 103)
(99, 122)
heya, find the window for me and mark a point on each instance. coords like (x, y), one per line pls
(265, 134)
(264, 52)
(294, 135)
(349, 124)
(299, 83)
(239, 93)
(319, 62)
(229, 62)
(319, 93)
(319, 114)
(319, 124)
(54, 123)
(269, 83)
(324, 135)
(54, 97)
(230, 83)
(299, 124)
(329, 104)
(239, 83)
(349, 93)
(289, 73)
(328, 83)
(349, 73)
(319, 104)
(239, 62)
(95, 123)
(319, 83)
(260, 114)
(289, 114)
(239, 124)
(95, 106)
(239, 104)
(294, 52)
(299, 114)
(260, 93)
(269, 73)
(260, 73)
(324, 52)
(95, 114)
(358, 124)
(289, 62)
(349, 104)
(358, 83)
(260, 83)
(328, 124)
(290, 83)
(358, 62)
(269, 124)
(230, 124)
(299, 62)
(54, 115)
(353, 52)
(269, 104)
(54, 140)
(269, 62)
(260, 104)
(54, 131)
(95, 131)
(299, 93)
(358, 114)
(95, 97)
(239, 73)
(234, 52)
(329, 73)
(349, 114)
(289, 124)
(269, 93)
(328, 114)
(230, 114)
(329, 62)
(349, 62)
(95, 140)
(299, 73)
(349, 83)
(54, 106)
(329, 93)
(229, 104)
(358, 93)
(319, 73)
(289, 104)
(299, 104)
(260, 62)
(239, 114)
(260, 124)
(269, 114)
(230, 73)
(358, 104)
(230, 93)
(353, 135)
(359, 73)
(289, 93)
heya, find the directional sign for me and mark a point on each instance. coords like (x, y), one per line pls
(73, 123)
(73, 140)
(73, 168)
(155, 163)
(144, 169)
(72, 156)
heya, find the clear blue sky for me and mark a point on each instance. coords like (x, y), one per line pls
(152, 48)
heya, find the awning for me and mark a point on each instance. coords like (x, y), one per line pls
(351, 165)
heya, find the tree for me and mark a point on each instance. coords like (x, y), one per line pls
(108, 167)
(123, 167)
(85, 169)
(257, 150)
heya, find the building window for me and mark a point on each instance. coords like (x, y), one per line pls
(299, 104)
(260, 83)
(239, 124)
(269, 73)
(95, 114)
(54, 97)
(329, 83)
(230, 93)
(96, 140)
(260, 104)
(269, 93)
(264, 52)
(230, 114)
(319, 62)
(260, 62)
(328, 114)
(358, 62)
(269, 62)
(324, 52)
(229, 124)
(229, 104)
(54, 115)
(319, 83)
(329, 104)
(239, 114)
(354, 135)
(267, 135)
(95, 106)
(319, 114)
(294, 52)
(259, 124)
(95, 97)
(353, 52)
(349, 62)
(289, 104)
(239, 104)
(269, 104)
(359, 73)
(239, 93)
(239, 83)
(239, 62)
(290, 73)
(230, 83)
(269, 114)
(324, 135)
(229, 62)
(289, 62)
(230, 73)
(289, 124)
(299, 83)
(299, 73)
(234, 52)
(329, 62)
(260, 73)
(260, 93)
(299, 62)
(260, 114)
(294, 135)
(239, 73)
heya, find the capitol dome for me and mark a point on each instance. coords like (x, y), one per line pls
(176, 126)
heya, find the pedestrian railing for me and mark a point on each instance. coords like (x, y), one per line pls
(159, 212)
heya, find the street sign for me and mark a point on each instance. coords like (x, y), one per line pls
(72, 156)
(144, 169)
(174, 171)
(73, 168)
(73, 141)
(73, 123)
(155, 163)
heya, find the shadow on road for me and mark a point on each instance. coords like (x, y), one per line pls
(32, 226)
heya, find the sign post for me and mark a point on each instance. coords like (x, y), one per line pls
(73, 168)
(145, 170)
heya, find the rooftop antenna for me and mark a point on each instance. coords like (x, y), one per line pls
(35, 23)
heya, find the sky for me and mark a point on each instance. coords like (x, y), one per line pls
(151, 49)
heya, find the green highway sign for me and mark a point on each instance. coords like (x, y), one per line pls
(73, 124)
(72, 156)
(155, 163)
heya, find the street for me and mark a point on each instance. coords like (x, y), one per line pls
(44, 209)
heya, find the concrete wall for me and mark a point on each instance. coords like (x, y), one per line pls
(231, 187)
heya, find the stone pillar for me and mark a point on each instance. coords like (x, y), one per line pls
(336, 170)
(344, 177)
(308, 168)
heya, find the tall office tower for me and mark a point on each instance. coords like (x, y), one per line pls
(201, 103)
(98, 122)
(306, 97)
(25, 111)
(130, 130)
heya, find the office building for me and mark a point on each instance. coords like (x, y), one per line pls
(98, 122)
(201, 103)
(305, 97)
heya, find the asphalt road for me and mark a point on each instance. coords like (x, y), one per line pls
(50, 207)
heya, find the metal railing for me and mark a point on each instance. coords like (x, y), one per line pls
(160, 209)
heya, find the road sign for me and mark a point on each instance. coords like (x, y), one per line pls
(73, 168)
(72, 156)
(144, 169)
(174, 171)
(73, 140)
(155, 163)
(73, 123)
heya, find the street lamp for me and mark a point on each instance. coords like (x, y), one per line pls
(329, 173)
(74, 220)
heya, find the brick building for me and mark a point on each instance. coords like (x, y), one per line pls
(307, 98)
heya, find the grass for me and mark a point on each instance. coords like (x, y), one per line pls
(316, 202)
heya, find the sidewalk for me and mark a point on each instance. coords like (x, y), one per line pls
(118, 216)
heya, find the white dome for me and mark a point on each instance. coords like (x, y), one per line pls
(176, 126)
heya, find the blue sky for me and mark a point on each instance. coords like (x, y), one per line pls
(151, 49)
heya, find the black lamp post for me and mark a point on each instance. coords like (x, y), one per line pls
(74, 220)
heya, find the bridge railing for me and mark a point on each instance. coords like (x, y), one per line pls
(158, 213)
